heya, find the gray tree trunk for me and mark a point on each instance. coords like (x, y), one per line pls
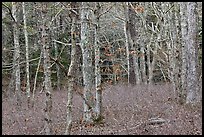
(53, 36)
(71, 77)
(150, 75)
(142, 61)
(87, 62)
(133, 32)
(143, 38)
(127, 39)
(192, 81)
(16, 52)
(98, 107)
(172, 47)
(184, 33)
(27, 54)
(47, 73)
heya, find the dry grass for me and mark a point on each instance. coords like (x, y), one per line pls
(127, 110)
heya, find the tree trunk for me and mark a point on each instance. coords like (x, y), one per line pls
(71, 76)
(184, 32)
(87, 62)
(47, 73)
(192, 81)
(27, 55)
(16, 53)
(53, 37)
(126, 31)
(150, 75)
(171, 46)
(132, 34)
(98, 107)
(143, 39)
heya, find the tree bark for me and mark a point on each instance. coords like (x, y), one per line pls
(192, 81)
(87, 62)
(98, 107)
(47, 73)
(184, 32)
(172, 47)
(16, 52)
(143, 39)
(127, 38)
(132, 34)
(71, 76)
(27, 54)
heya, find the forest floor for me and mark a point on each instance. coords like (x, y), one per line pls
(133, 110)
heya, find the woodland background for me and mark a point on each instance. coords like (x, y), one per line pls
(102, 67)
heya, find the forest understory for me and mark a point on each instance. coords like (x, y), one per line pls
(133, 110)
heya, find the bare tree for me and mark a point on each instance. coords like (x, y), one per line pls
(184, 32)
(127, 37)
(172, 45)
(47, 73)
(27, 53)
(133, 36)
(16, 51)
(71, 77)
(98, 107)
(143, 37)
(87, 62)
(192, 81)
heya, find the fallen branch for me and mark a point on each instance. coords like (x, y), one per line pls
(154, 121)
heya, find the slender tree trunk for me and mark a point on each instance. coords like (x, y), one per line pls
(98, 107)
(151, 52)
(192, 81)
(172, 45)
(71, 76)
(176, 50)
(35, 79)
(53, 36)
(16, 53)
(27, 55)
(57, 67)
(143, 31)
(149, 62)
(184, 32)
(47, 73)
(126, 28)
(87, 62)
(142, 62)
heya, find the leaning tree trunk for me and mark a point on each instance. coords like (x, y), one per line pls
(47, 80)
(16, 53)
(71, 77)
(98, 107)
(27, 55)
(87, 63)
(192, 81)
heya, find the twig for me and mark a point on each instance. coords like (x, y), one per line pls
(106, 11)
(154, 121)
(60, 65)
(10, 12)
(8, 67)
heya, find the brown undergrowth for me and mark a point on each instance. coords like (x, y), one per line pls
(134, 110)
